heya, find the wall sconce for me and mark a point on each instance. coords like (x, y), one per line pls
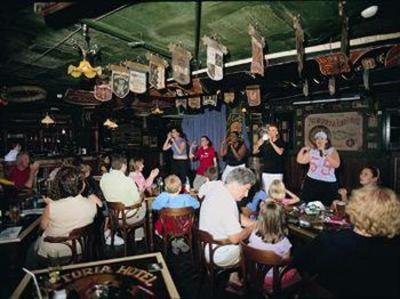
(47, 120)
(157, 110)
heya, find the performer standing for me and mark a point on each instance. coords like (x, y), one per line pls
(271, 148)
(233, 151)
(320, 183)
(176, 141)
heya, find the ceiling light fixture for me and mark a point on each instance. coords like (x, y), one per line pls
(157, 110)
(47, 120)
(369, 12)
(110, 124)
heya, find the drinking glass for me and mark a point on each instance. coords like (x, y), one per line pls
(15, 214)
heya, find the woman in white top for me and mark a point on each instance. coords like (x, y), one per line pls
(67, 210)
(320, 183)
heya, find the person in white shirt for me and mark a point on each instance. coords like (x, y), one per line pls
(13, 153)
(219, 215)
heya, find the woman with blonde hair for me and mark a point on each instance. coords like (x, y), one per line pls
(364, 261)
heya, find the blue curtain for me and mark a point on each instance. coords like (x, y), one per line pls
(211, 123)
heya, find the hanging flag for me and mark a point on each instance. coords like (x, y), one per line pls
(137, 76)
(253, 95)
(103, 92)
(157, 67)
(194, 102)
(257, 46)
(229, 97)
(210, 100)
(180, 64)
(181, 103)
(215, 58)
(120, 81)
(299, 34)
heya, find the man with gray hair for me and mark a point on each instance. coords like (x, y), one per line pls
(219, 214)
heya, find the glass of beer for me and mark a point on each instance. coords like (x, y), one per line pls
(15, 214)
(340, 209)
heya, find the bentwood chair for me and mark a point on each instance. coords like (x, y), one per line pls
(257, 263)
(79, 241)
(177, 223)
(120, 216)
(205, 240)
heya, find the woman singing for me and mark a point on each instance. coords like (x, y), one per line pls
(320, 183)
(271, 148)
(177, 142)
(233, 150)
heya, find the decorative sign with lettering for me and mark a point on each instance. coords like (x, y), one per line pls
(345, 129)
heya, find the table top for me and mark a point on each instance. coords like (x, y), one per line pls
(28, 223)
(144, 275)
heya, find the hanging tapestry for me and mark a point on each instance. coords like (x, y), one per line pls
(229, 97)
(210, 100)
(157, 67)
(253, 95)
(137, 76)
(299, 34)
(181, 103)
(257, 46)
(180, 64)
(120, 81)
(103, 92)
(194, 103)
(215, 58)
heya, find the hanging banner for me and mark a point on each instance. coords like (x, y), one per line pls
(180, 64)
(103, 92)
(157, 67)
(229, 97)
(137, 76)
(344, 129)
(181, 103)
(120, 81)
(215, 58)
(194, 103)
(299, 35)
(253, 95)
(210, 100)
(257, 46)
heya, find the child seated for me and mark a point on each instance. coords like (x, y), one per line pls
(270, 234)
(277, 192)
(171, 198)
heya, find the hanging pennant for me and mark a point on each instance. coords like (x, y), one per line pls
(210, 100)
(180, 64)
(257, 46)
(253, 95)
(181, 103)
(137, 77)
(194, 103)
(157, 67)
(332, 86)
(229, 97)
(215, 58)
(344, 44)
(299, 33)
(103, 92)
(120, 81)
(305, 88)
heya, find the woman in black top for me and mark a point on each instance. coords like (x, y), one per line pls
(271, 149)
(233, 151)
(363, 262)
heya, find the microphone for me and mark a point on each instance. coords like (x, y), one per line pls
(321, 154)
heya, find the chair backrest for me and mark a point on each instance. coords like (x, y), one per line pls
(78, 238)
(177, 221)
(206, 240)
(256, 263)
(119, 212)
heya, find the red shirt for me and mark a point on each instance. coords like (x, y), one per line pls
(19, 177)
(206, 159)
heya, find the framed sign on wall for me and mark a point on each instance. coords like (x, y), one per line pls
(344, 129)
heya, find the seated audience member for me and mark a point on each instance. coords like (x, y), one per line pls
(252, 207)
(171, 198)
(369, 177)
(11, 156)
(90, 186)
(219, 215)
(211, 174)
(270, 234)
(23, 174)
(66, 210)
(363, 262)
(65, 162)
(136, 166)
(277, 192)
(104, 164)
(117, 187)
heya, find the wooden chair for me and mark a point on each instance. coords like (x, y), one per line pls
(177, 223)
(205, 240)
(255, 265)
(78, 238)
(119, 219)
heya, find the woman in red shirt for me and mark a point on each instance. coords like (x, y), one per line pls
(205, 153)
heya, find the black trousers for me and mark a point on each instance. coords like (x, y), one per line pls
(181, 168)
(325, 192)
